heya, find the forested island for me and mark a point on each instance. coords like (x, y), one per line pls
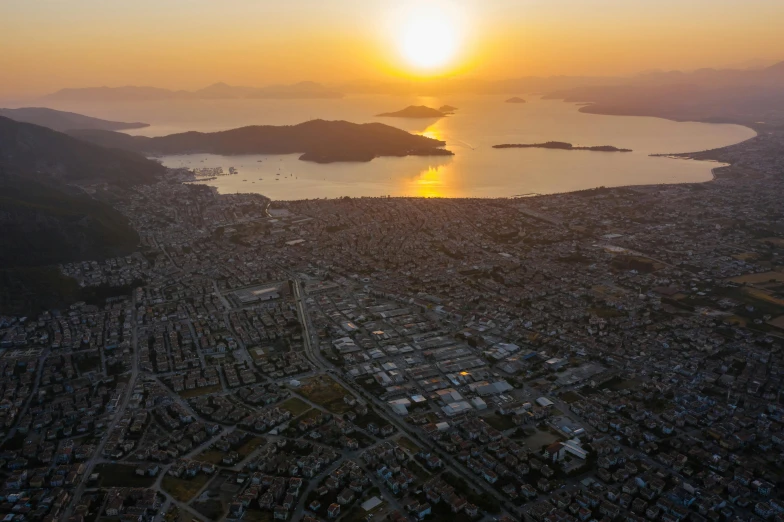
(317, 140)
(559, 145)
(414, 111)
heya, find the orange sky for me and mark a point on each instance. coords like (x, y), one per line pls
(49, 44)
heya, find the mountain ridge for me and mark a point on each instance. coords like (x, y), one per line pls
(62, 121)
(219, 90)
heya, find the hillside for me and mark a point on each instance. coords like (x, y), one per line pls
(45, 155)
(63, 121)
(44, 224)
(317, 140)
(46, 220)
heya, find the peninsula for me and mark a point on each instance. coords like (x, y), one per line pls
(559, 145)
(317, 140)
(414, 111)
(62, 121)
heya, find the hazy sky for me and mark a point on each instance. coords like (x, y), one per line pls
(49, 44)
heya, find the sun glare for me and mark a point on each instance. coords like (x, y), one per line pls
(429, 37)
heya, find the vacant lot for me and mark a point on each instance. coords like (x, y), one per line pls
(408, 444)
(309, 414)
(122, 475)
(211, 456)
(500, 422)
(197, 392)
(762, 277)
(184, 489)
(570, 397)
(249, 446)
(540, 438)
(778, 322)
(326, 393)
(296, 406)
(212, 508)
(775, 241)
(255, 515)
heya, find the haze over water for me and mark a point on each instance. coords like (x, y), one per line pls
(476, 170)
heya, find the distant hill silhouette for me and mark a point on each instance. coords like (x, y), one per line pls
(64, 121)
(559, 145)
(515, 99)
(317, 140)
(414, 111)
(301, 90)
(708, 95)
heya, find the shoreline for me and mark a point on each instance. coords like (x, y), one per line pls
(581, 107)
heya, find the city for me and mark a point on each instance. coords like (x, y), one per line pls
(609, 354)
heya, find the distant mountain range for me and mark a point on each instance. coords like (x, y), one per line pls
(752, 97)
(64, 121)
(301, 90)
(317, 140)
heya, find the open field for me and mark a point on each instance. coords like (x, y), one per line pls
(762, 295)
(778, 322)
(211, 456)
(122, 475)
(211, 508)
(295, 405)
(250, 446)
(256, 515)
(540, 438)
(762, 277)
(499, 422)
(326, 393)
(184, 489)
(570, 397)
(309, 414)
(408, 444)
(197, 392)
(775, 241)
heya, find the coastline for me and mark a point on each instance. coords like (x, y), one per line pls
(573, 180)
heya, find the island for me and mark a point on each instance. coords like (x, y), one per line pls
(414, 111)
(559, 145)
(316, 140)
(515, 100)
(447, 109)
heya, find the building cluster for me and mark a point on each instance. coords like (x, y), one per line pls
(610, 354)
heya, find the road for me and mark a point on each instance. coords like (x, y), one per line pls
(381, 408)
(127, 393)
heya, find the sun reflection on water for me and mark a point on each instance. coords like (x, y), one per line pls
(431, 183)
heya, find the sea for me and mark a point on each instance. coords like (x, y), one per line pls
(476, 169)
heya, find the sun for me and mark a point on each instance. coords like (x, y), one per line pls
(428, 37)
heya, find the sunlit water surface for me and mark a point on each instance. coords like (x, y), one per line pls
(476, 169)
